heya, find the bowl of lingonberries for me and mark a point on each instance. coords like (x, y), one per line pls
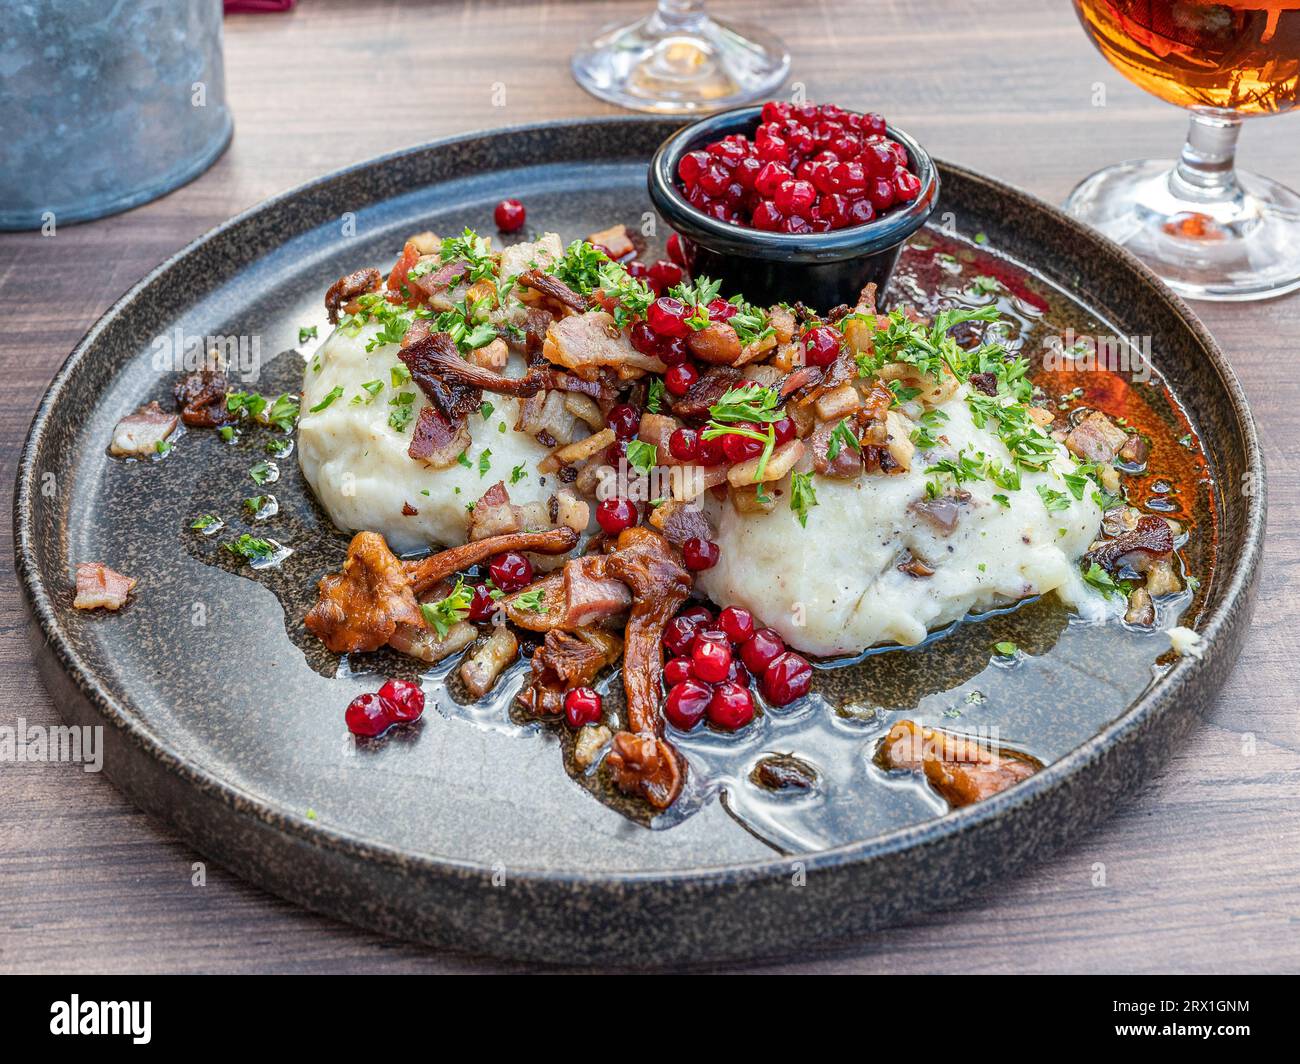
(788, 203)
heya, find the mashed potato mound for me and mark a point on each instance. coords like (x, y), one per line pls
(835, 588)
(357, 465)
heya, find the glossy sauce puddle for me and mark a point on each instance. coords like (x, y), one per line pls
(1068, 680)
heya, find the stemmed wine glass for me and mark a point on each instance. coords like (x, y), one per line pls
(1209, 230)
(678, 60)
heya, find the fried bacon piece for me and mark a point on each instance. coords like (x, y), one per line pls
(138, 435)
(1096, 438)
(201, 398)
(553, 288)
(493, 513)
(962, 770)
(99, 587)
(615, 241)
(426, 572)
(1151, 541)
(646, 562)
(429, 285)
(346, 289)
(435, 441)
(645, 765)
(566, 660)
(361, 607)
(580, 595)
(590, 343)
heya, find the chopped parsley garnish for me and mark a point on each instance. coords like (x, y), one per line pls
(255, 502)
(163, 446)
(306, 332)
(403, 404)
(485, 461)
(984, 285)
(1052, 499)
(463, 459)
(630, 295)
(803, 496)
(398, 375)
(226, 432)
(1104, 582)
(441, 615)
(284, 412)
(841, 437)
(474, 250)
(371, 388)
(485, 410)
(250, 548)
(580, 267)
(466, 323)
(262, 472)
(749, 322)
(641, 455)
(929, 348)
(1006, 649)
(206, 521)
(746, 404)
(334, 393)
(655, 396)
(248, 404)
(518, 473)
(924, 433)
(531, 600)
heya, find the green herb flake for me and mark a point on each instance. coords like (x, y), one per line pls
(441, 615)
(333, 394)
(250, 548)
(641, 455)
(803, 496)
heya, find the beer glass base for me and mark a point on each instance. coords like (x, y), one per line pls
(692, 65)
(1242, 246)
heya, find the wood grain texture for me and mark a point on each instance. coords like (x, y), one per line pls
(1202, 871)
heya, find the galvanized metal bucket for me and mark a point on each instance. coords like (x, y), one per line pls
(105, 105)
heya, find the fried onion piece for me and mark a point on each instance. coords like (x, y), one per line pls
(361, 607)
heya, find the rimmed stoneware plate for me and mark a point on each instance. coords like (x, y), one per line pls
(222, 719)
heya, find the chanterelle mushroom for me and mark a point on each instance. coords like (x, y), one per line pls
(361, 607)
(640, 760)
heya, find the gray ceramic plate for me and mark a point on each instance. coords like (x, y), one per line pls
(469, 831)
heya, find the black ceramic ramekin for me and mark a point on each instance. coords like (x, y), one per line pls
(822, 270)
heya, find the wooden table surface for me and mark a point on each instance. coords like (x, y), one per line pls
(1202, 870)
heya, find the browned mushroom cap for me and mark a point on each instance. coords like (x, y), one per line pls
(959, 768)
(426, 572)
(646, 766)
(361, 607)
(346, 289)
(1150, 540)
(432, 357)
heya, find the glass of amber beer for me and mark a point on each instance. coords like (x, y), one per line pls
(1208, 229)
